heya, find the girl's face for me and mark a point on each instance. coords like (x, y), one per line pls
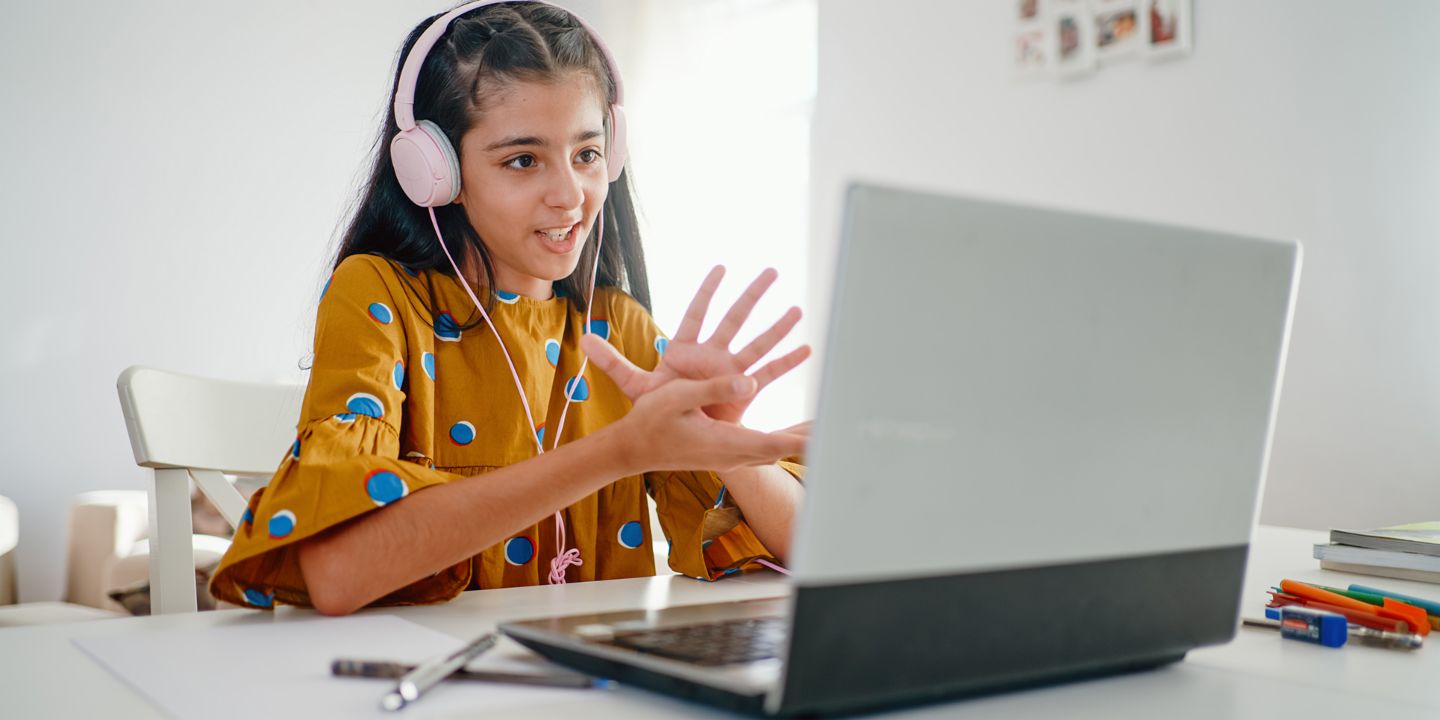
(533, 179)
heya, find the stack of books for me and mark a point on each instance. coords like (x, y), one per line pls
(1405, 552)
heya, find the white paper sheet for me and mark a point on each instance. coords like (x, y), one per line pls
(260, 668)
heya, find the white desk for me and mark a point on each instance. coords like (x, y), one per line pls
(43, 674)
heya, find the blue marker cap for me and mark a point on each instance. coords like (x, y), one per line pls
(1334, 630)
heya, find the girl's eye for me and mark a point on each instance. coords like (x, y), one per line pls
(522, 162)
(589, 155)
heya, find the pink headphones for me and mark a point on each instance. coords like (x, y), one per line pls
(426, 164)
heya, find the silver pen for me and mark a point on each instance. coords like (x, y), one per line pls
(429, 673)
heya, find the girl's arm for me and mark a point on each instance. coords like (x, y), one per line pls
(352, 565)
(768, 496)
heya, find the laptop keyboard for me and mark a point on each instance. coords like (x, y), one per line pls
(722, 643)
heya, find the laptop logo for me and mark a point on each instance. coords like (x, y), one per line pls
(908, 432)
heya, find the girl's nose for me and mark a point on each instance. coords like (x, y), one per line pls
(564, 190)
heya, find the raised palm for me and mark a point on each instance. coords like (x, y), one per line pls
(687, 357)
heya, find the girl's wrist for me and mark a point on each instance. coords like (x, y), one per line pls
(618, 452)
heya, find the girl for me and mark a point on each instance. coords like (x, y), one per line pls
(453, 347)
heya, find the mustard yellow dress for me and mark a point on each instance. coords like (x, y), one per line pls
(399, 401)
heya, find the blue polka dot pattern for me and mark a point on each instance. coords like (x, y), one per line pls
(399, 374)
(552, 351)
(508, 298)
(412, 272)
(248, 517)
(540, 433)
(282, 523)
(601, 328)
(446, 328)
(346, 417)
(427, 361)
(631, 534)
(380, 313)
(385, 487)
(579, 392)
(295, 450)
(259, 599)
(327, 287)
(519, 550)
(365, 404)
(661, 344)
(462, 433)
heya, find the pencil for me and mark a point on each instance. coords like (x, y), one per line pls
(348, 667)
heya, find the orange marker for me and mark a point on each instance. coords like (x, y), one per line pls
(1355, 616)
(1392, 608)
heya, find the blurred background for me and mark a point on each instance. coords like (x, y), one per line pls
(176, 172)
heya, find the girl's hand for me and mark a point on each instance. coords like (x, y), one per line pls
(667, 429)
(801, 429)
(687, 357)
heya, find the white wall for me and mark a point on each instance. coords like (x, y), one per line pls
(1311, 119)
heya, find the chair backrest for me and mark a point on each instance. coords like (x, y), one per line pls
(183, 421)
(194, 428)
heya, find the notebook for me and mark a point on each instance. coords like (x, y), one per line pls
(1421, 537)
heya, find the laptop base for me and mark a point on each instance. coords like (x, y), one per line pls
(754, 705)
(883, 644)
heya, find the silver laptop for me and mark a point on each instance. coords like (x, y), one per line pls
(1040, 434)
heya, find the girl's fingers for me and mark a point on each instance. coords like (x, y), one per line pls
(734, 319)
(695, 314)
(603, 355)
(778, 445)
(755, 448)
(694, 394)
(767, 340)
(802, 429)
(708, 443)
(779, 366)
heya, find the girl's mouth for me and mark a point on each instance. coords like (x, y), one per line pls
(558, 240)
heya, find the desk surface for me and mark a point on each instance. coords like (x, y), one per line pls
(43, 674)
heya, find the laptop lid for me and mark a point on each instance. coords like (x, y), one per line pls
(1036, 428)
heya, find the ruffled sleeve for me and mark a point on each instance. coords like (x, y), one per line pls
(707, 533)
(708, 536)
(344, 462)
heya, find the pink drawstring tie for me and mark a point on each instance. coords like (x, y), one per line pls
(773, 566)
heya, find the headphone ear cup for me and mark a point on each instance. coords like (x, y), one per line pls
(619, 148)
(426, 165)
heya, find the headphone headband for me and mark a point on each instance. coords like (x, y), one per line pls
(426, 165)
(415, 59)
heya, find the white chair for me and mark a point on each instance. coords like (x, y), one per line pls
(9, 539)
(186, 428)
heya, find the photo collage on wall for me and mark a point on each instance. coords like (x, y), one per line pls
(1071, 38)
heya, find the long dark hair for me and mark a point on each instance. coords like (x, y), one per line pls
(494, 43)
